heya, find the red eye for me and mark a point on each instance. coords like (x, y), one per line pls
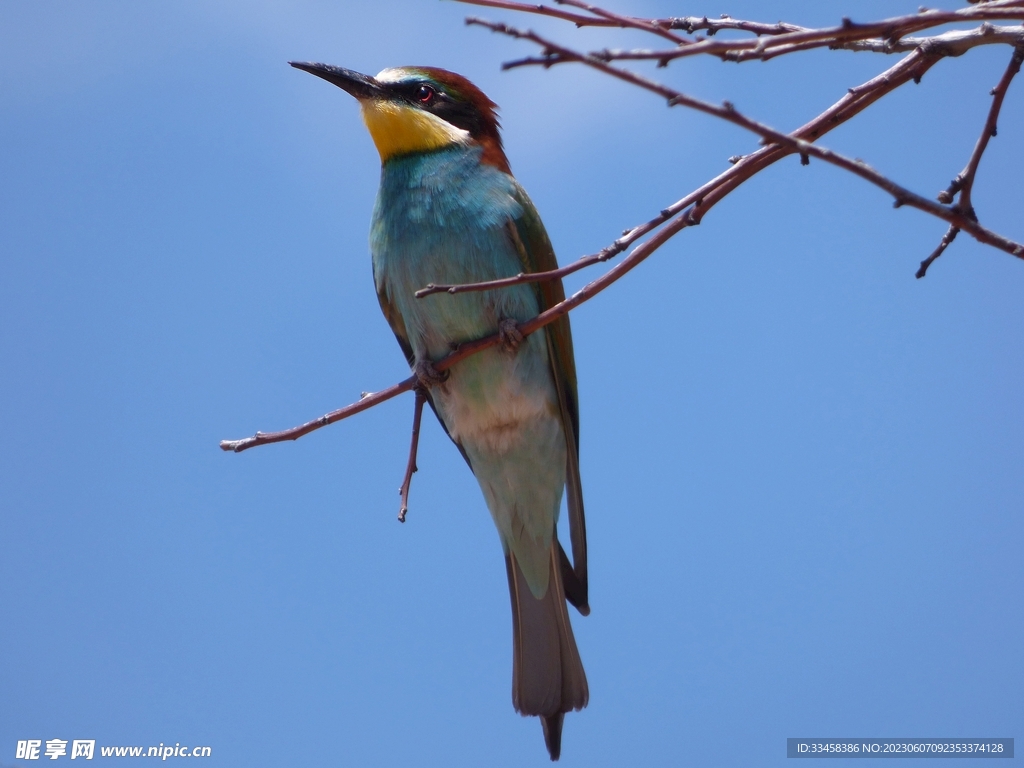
(425, 94)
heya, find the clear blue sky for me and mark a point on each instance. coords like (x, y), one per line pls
(802, 467)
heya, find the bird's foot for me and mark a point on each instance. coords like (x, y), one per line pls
(510, 335)
(427, 375)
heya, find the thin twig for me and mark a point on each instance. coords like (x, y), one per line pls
(693, 24)
(543, 10)
(520, 279)
(957, 42)
(964, 181)
(365, 402)
(947, 238)
(411, 467)
(626, 22)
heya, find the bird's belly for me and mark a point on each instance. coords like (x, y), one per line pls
(490, 395)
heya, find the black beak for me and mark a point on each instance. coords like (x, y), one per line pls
(360, 86)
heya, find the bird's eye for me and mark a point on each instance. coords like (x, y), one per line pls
(425, 94)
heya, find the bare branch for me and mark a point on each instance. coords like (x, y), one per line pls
(698, 23)
(955, 43)
(627, 21)
(964, 181)
(411, 467)
(885, 36)
(365, 402)
(543, 10)
(730, 114)
(791, 37)
(520, 279)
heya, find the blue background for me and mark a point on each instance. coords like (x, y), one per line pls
(802, 467)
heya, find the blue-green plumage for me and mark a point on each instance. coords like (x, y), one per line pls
(442, 217)
(449, 211)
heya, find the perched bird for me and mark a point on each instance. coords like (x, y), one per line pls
(449, 211)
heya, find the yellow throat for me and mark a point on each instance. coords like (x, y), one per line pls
(398, 129)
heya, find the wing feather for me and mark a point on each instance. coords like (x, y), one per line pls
(536, 254)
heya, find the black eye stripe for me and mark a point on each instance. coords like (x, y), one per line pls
(461, 114)
(423, 94)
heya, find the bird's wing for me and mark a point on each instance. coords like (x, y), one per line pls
(394, 318)
(536, 254)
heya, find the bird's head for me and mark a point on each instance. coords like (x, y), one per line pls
(420, 109)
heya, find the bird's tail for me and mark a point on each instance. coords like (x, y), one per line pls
(547, 674)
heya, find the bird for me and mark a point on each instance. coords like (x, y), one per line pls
(449, 211)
